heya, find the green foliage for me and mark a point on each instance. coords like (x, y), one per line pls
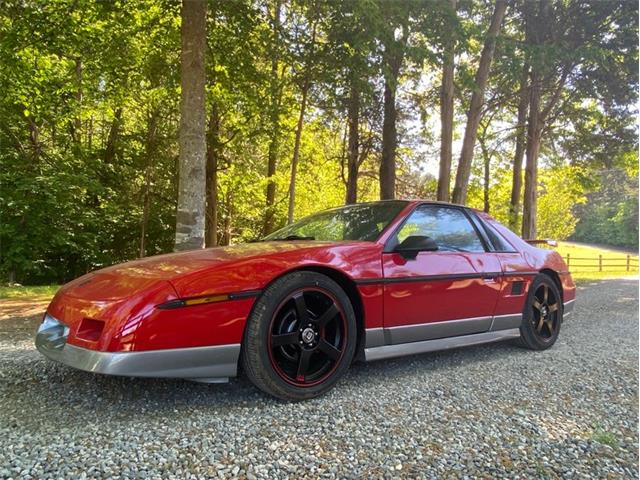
(559, 188)
(610, 216)
(89, 95)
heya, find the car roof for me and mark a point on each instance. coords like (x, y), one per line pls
(416, 201)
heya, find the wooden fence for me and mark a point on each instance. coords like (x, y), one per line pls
(626, 263)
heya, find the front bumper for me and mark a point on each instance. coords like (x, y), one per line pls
(208, 364)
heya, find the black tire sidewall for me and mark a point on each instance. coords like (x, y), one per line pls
(256, 360)
(528, 335)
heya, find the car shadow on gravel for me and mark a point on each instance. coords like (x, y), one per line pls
(92, 395)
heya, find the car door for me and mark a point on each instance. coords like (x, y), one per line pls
(447, 292)
(517, 276)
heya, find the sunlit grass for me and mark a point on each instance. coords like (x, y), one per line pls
(30, 292)
(614, 263)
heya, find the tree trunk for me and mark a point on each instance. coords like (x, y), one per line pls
(190, 224)
(475, 109)
(272, 161)
(446, 114)
(534, 130)
(389, 144)
(213, 157)
(486, 183)
(296, 147)
(150, 154)
(90, 134)
(521, 141)
(394, 55)
(34, 139)
(296, 153)
(536, 29)
(353, 121)
(77, 122)
(226, 232)
(112, 139)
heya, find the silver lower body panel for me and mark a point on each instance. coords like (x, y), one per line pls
(211, 364)
(412, 348)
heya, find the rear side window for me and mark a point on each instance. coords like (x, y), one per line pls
(448, 227)
(498, 243)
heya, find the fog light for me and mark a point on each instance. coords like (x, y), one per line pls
(90, 329)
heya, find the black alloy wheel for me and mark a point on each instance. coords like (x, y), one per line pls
(546, 308)
(542, 316)
(307, 337)
(300, 337)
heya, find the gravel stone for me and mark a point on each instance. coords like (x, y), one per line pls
(493, 411)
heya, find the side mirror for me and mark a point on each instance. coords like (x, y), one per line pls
(414, 244)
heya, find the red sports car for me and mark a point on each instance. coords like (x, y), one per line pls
(367, 281)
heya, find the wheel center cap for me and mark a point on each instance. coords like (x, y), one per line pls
(308, 335)
(544, 311)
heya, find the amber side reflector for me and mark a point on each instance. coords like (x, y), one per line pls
(193, 301)
(198, 301)
(90, 329)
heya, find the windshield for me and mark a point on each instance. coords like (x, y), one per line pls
(353, 222)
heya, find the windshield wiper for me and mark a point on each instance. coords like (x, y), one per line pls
(293, 237)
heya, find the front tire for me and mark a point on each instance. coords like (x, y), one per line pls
(300, 337)
(542, 314)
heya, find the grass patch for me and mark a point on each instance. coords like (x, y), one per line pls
(584, 262)
(20, 291)
(605, 438)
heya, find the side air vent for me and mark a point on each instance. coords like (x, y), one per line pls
(516, 288)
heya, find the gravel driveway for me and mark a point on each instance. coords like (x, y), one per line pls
(489, 411)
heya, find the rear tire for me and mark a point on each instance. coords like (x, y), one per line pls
(542, 314)
(300, 337)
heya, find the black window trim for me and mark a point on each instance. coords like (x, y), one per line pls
(486, 245)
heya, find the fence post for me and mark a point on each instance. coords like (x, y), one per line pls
(568, 258)
(628, 262)
(600, 262)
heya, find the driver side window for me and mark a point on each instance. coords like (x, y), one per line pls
(448, 227)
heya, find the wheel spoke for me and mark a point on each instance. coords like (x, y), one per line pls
(303, 364)
(284, 339)
(329, 350)
(536, 304)
(549, 323)
(331, 312)
(301, 308)
(540, 324)
(545, 297)
(553, 308)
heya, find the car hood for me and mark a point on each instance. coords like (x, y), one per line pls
(123, 280)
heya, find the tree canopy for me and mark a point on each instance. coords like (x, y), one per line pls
(310, 104)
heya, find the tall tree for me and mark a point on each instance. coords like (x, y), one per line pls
(275, 98)
(447, 105)
(150, 152)
(521, 141)
(477, 100)
(394, 38)
(213, 166)
(309, 63)
(190, 217)
(353, 143)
